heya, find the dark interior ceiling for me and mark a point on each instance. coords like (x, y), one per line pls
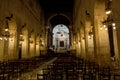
(59, 19)
(57, 6)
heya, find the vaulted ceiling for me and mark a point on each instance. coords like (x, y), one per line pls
(59, 19)
(57, 6)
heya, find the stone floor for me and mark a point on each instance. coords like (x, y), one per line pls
(32, 74)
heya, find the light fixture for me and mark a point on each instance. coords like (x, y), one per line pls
(5, 38)
(21, 38)
(101, 28)
(113, 24)
(79, 42)
(108, 7)
(90, 35)
(1, 38)
(6, 34)
(106, 29)
(6, 29)
(41, 42)
(109, 22)
(11, 37)
(104, 26)
(114, 27)
(74, 42)
(108, 11)
(21, 35)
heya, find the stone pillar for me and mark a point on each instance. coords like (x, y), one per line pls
(86, 39)
(82, 43)
(116, 13)
(96, 40)
(101, 38)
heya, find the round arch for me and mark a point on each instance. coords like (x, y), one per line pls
(54, 20)
(60, 38)
(54, 15)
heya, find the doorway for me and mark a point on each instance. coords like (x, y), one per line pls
(60, 38)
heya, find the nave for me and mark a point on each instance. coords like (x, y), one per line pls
(30, 30)
(64, 67)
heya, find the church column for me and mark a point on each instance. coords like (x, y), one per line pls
(82, 42)
(101, 38)
(86, 40)
(116, 32)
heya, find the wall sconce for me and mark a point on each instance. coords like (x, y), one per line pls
(11, 37)
(1, 36)
(21, 38)
(114, 27)
(108, 7)
(108, 11)
(108, 22)
(113, 58)
(6, 29)
(74, 42)
(90, 35)
(41, 43)
(79, 42)
(5, 36)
